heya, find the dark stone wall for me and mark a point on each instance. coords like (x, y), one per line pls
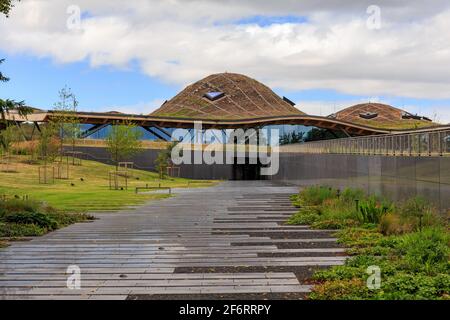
(394, 177)
(146, 161)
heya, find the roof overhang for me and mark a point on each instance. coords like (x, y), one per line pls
(95, 118)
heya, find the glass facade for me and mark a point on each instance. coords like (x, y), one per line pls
(288, 134)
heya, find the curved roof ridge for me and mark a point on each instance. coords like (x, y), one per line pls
(243, 97)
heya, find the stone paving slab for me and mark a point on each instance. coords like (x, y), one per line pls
(136, 252)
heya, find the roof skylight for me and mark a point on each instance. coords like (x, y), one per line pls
(369, 115)
(214, 95)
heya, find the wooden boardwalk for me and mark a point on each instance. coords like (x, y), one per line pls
(227, 239)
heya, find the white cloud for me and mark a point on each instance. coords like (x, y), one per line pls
(180, 41)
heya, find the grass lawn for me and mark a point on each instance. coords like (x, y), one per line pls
(88, 187)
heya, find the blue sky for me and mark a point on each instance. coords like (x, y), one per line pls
(37, 81)
(322, 57)
(264, 21)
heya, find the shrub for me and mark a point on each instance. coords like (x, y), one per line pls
(350, 195)
(417, 213)
(296, 201)
(334, 224)
(335, 209)
(354, 289)
(426, 251)
(303, 218)
(403, 286)
(392, 224)
(363, 261)
(372, 210)
(338, 273)
(17, 205)
(20, 230)
(358, 237)
(316, 195)
(373, 250)
(65, 219)
(39, 219)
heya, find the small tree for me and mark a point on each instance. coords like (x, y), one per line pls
(163, 160)
(123, 142)
(7, 106)
(48, 143)
(65, 119)
(8, 137)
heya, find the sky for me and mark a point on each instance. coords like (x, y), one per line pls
(131, 56)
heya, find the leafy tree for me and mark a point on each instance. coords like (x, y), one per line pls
(2, 77)
(123, 142)
(317, 134)
(48, 143)
(290, 138)
(65, 120)
(8, 137)
(163, 159)
(7, 106)
(6, 6)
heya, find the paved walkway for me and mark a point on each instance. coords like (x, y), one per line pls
(227, 239)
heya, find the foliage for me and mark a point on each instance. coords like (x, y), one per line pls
(326, 208)
(91, 194)
(319, 134)
(334, 224)
(7, 106)
(408, 241)
(12, 230)
(39, 219)
(406, 286)
(410, 216)
(296, 201)
(426, 251)
(2, 77)
(65, 120)
(316, 195)
(350, 195)
(8, 137)
(371, 210)
(18, 205)
(19, 218)
(123, 142)
(290, 138)
(338, 273)
(303, 218)
(352, 289)
(6, 6)
(48, 147)
(163, 160)
(358, 237)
